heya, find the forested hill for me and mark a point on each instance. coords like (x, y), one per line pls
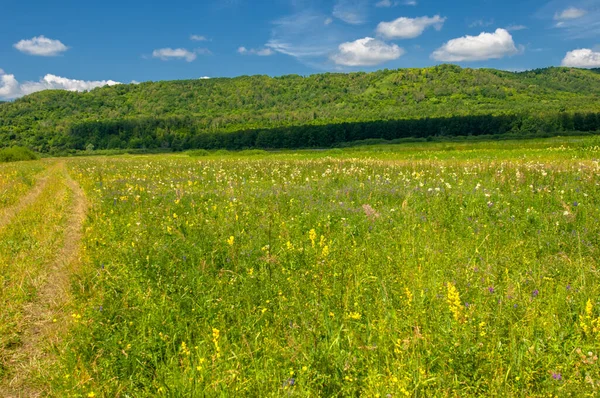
(306, 111)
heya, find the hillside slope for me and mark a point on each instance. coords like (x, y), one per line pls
(156, 113)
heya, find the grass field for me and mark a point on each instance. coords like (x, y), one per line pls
(458, 269)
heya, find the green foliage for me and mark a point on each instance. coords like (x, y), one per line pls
(16, 154)
(306, 111)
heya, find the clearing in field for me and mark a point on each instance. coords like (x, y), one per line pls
(410, 270)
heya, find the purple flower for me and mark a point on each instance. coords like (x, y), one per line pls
(515, 306)
(569, 286)
(575, 204)
(491, 289)
(556, 376)
(535, 293)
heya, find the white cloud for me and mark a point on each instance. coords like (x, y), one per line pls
(166, 54)
(477, 48)
(41, 46)
(353, 12)
(263, 52)
(408, 28)
(198, 38)
(570, 13)
(328, 21)
(366, 52)
(582, 58)
(204, 78)
(10, 88)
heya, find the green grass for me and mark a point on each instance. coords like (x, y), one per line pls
(442, 269)
(16, 179)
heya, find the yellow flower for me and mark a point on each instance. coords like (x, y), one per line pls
(312, 234)
(231, 241)
(453, 300)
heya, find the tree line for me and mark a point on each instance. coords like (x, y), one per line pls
(182, 133)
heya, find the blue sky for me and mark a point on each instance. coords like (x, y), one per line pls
(79, 45)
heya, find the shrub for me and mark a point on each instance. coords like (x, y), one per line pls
(198, 152)
(16, 154)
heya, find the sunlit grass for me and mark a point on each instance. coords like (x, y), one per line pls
(428, 272)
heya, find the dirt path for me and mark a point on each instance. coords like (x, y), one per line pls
(9, 213)
(43, 333)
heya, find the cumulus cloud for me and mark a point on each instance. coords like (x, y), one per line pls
(477, 48)
(198, 38)
(582, 58)
(409, 28)
(366, 52)
(166, 54)
(41, 46)
(353, 12)
(10, 88)
(263, 52)
(570, 13)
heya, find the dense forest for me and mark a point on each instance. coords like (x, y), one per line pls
(294, 111)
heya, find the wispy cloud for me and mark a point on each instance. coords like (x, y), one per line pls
(481, 23)
(11, 88)
(41, 46)
(354, 12)
(262, 52)
(573, 19)
(166, 54)
(198, 38)
(514, 28)
(570, 13)
(305, 36)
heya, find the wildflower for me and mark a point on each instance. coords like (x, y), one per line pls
(231, 241)
(312, 234)
(491, 289)
(556, 376)
(216, 333)
(535, 293)
(453, 300)
(354, 315)
(409, 296)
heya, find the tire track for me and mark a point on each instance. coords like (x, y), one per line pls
(9, 213)
(43, 333)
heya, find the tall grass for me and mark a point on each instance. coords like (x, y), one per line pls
(294, 274)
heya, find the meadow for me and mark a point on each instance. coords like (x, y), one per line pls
(425, 269)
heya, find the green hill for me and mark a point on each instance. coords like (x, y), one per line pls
(307, 111)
